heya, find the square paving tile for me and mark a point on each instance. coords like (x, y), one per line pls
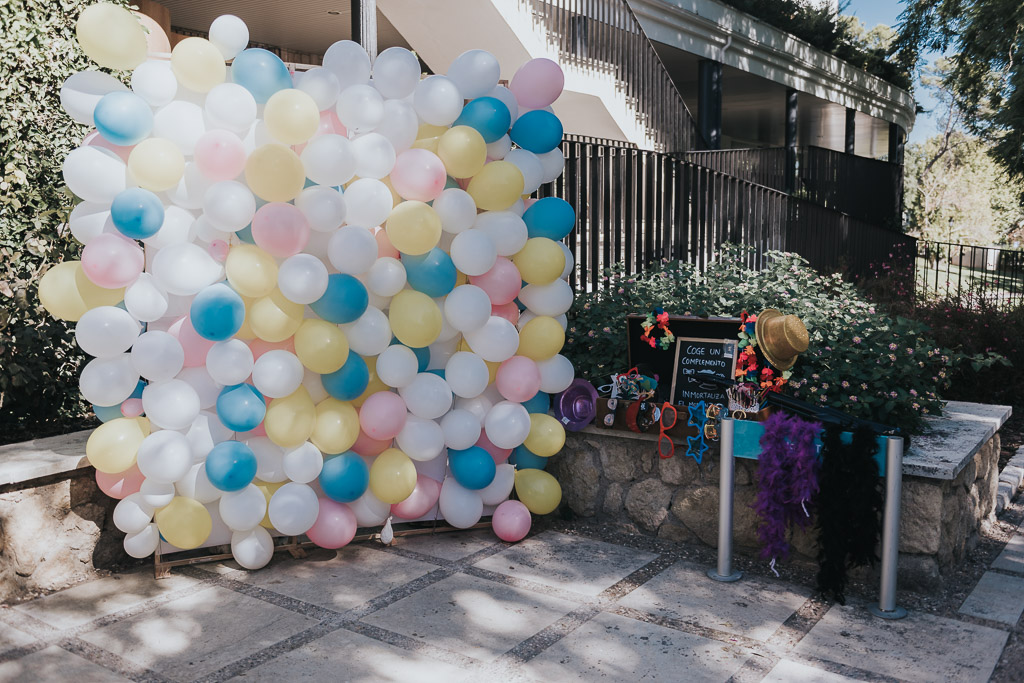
(997, 597)
(921, 647)
(788, 671)
(470, 615)
(13, 637)
(752, 607)
(354, 658)
(199, 633)
(85, 602)
(449, 545)
(614, 648)
(571, 563)
(1012, 557)
(55, 664)
(338, 580)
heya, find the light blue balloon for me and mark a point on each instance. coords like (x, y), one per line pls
(123, 118)
(540, 403)
(345, 477)
(344, 301)
(217, 312)
(488, 116)
(473, 467)
(241, 408)
(538, 131)
(231, 466)
(108, 413)
(350, 381)
(432, 273)
(551, 217)
(137, 213)
(525, 459)
(260, 72)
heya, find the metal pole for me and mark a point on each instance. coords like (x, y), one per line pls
(724, 572)
(364, 25)
(887, 608)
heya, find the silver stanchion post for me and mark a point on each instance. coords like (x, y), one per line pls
(886, 607)
(727, 480)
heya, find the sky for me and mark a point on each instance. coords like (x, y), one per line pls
(874, 12)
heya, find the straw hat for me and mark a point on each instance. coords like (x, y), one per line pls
(781, 338)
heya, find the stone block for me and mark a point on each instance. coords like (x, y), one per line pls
(618, 461)
(577, 472)
(678, 470)
(614, 503)
(1004, 494)
(647, 503)
(919, 573)
(921, 517)
(672, 530)
(744, 471)
(697, 508)
(744, 519)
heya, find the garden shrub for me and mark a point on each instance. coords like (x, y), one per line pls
(860, 360)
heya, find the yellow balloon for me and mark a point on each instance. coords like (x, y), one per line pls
(415, 318)
(156, 164)
(538, 491)
(111, 36)
(497, 186)
(540, 262)
(274, 173)
(429, 144)
(291, 116)
(427, 130)
(321, 346)
(245, 331)
(291, 420)
(492, 370)
(66, 293)
(396, 198)
(392, 476)
(414, 228)
(461, 278)
(113, 445)
(274, 318)
(198, 64)
(541, 338)
(463, 151)
(547, 435)
(251, 271)
(337, 426)
(374, 385)
(184, 523)
(464, 346)
(268, 489)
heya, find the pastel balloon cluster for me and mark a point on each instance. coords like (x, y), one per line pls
(315, 301)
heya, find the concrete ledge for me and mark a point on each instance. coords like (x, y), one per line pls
(21, 462)
(1011, 479)
(952, 439)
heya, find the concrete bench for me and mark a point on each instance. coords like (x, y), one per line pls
(950, 482)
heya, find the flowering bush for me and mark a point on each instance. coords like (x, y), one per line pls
(861, 361)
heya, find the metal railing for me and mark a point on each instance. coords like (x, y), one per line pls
(605, 35)
(972, 276)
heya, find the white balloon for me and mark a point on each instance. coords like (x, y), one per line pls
(478, 406)
(360, 108)
(397, 366)
(467, 308)
(500, 487)
(200, 435)
(437, 100)
(349, 62)
(466, 374)
(82, 91)
(329, 159)
(456, 209)
(89, 220)
(314, 386)
(459, 506)
(195, 484)
(180, 122)
(396, 71)
(243, 510)
(475, 72)
(220, 534)
(269, 459)
(507, 424)
(293, 509)
(324, 208)
(552, 299)
(132, 514)
(368, 202)
(252, 549)
(442, 350)
(352, 250)
(158, 356)
(302, 278)
(178, 228)
(500, 147)
(142, 543)
(185, 269)
(552, 163)
(570, 262)
(529, 165)
(320, 84)
(386, 277)
(229, 362)
(427, 396)
(399, 124)
(165, 456)
(303, 464)
(370, 334)
(502, 93)
(461, 429)
(145, 299)
(375, 157)
(473, 252)
(170, 405)
(277, 373)
(206, 388)
(157, 494)
(154, 82)
(506, 230)
(95, 174)
(496, 341)
(556, 374)
(106, 331)
(190, 191)
(369, 511)
(229, 205)
(108, 381)
(230, 106)
(229, 34)
(421, 439)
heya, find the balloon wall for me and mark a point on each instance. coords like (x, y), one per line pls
(314, 301)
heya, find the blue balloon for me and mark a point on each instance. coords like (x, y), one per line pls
(240, 407)
(525, 459)
(245, 234)
(137, 213)
(345, 477)
(538, 131)
(422, 355)
(437, 371)
(551, 217)
(488, 116)
(231, 466)
(350, 381)
(473, 467)
(540, 403)
(217, 312)
(432, 273)
(107, 413)
(123, 118)
(260, 72)
(344, 301)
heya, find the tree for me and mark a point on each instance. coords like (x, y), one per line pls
(986, 78)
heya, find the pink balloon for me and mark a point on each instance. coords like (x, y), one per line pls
(219, 250)
(195, 347)
(94, 139)
(329, 124)
(367, 447)
(383, 415)
(112, 260)
(121, 484)
(511, 521)
(132, 407)
(509, 311)
(335, 525)
(418, 175)
(502, 282)
(384, 246)
(518, 379)
(260, 347)
(500, 455)
(280, 229)
(421, 500)
(220, 155)
(537, 83)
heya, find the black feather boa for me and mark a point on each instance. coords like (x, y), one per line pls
(849, 508)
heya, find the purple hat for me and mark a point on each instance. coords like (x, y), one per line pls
(576, 407)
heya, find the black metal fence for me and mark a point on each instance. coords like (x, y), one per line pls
(972, 276)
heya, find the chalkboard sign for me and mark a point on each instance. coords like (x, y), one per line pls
(695, 360)
(656, 361)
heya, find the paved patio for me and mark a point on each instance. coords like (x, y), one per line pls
(559, 606)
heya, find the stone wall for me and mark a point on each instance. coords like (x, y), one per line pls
(621, 480)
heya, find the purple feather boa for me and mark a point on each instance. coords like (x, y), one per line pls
(787, 479)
